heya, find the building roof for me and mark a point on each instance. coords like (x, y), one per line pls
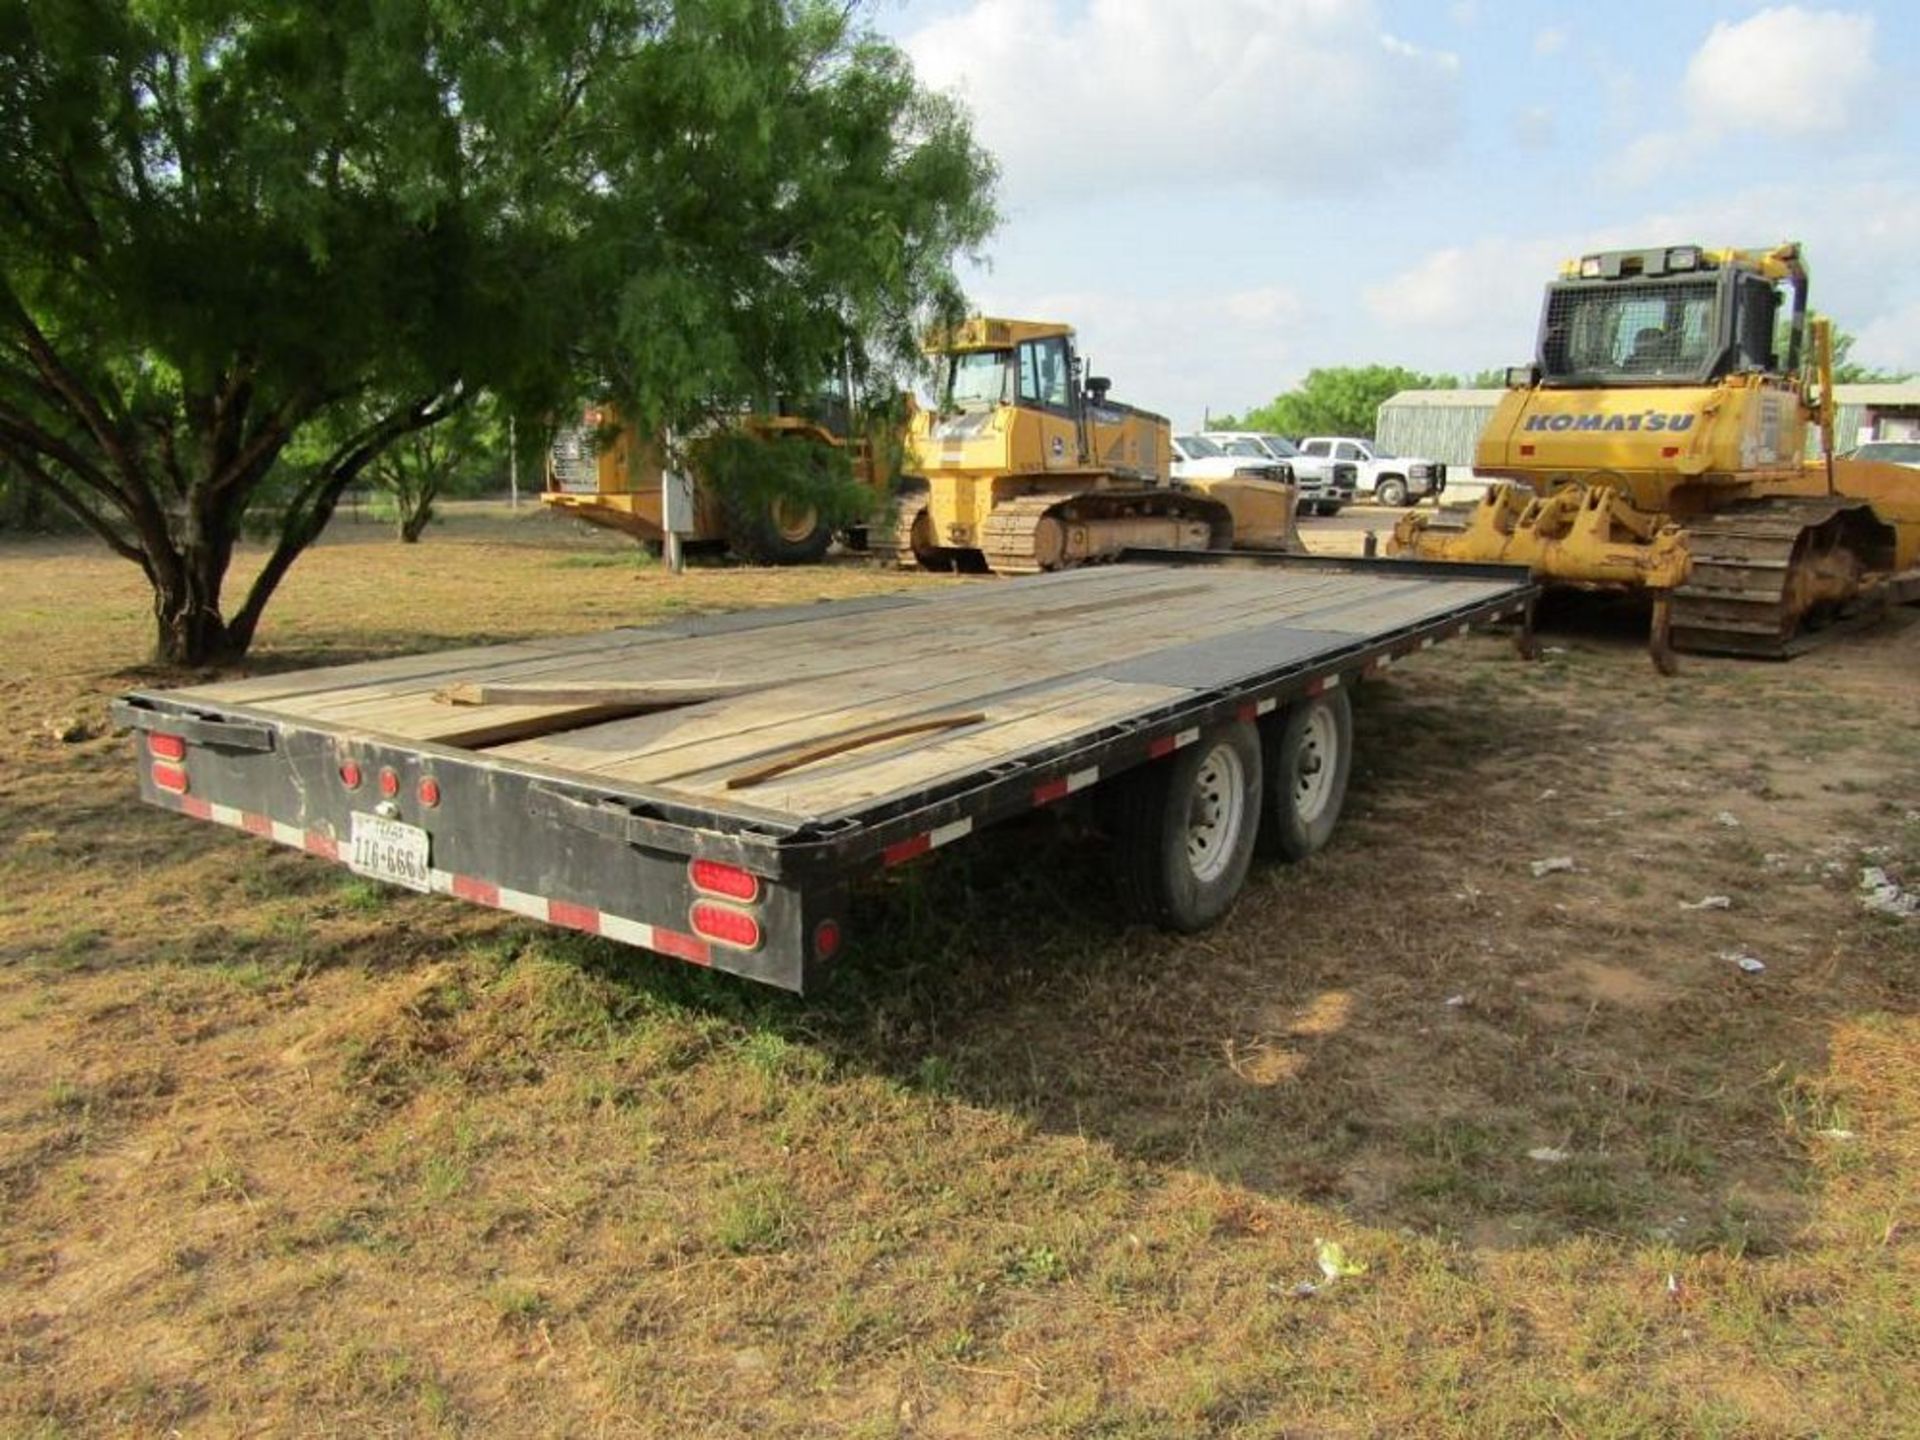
(1446, 399)
(1904, 392)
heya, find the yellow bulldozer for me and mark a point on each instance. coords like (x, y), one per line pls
(1024, 463)
(1660, 444)
(609, 474)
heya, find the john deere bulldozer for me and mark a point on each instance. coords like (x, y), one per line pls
(1660, 443)
(1023, 463)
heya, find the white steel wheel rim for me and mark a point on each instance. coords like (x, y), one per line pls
(1216, 813)
(1314, 765)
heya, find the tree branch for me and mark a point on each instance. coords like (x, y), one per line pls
(313, 507)
(40, 350)
(81, 511)
(21, 431)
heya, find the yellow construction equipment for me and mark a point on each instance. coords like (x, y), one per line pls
(609, 474)
(1024, 463)
(1659, 444)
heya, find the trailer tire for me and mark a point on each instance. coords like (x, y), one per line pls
(1309, 755)
(1186, 827)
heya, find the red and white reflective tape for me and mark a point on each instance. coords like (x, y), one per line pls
(565, 913)
(1320, 684)
(913, 846)
(1167, 744)
(1062, 786)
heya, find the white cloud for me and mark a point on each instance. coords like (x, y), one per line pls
(1534, 127)
(1784, 71)
(1170, 354)
(1550, 41)
(1890, 341)
(1132, 95)
(1489, 288)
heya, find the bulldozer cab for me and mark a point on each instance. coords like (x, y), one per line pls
(987, 364)
(1675, 315)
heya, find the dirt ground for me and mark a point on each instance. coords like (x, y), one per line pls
(285, 1153)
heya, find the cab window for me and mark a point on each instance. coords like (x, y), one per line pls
(1348, 452)
(1043, 373)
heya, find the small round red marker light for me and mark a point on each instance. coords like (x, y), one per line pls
(166, 747)
(429, 792)
(826, 939)
(389, 783)
(350, 775)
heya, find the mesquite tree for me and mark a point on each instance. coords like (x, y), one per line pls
(225, 226)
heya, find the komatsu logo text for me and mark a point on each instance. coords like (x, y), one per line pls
(1644, 420)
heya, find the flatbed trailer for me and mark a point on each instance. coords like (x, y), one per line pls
(709, 788)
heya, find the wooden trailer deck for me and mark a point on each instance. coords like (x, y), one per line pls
(810, 713)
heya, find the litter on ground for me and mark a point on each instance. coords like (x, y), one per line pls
(1883, 895)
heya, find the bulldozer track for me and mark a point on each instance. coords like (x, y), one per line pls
(1762, 570)
(894, 541)
(1031, 533)
(1010, 538)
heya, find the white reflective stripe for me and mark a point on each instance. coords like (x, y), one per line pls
(1332, 683)
(1266, 706)
(1427, 644)
(441, 881)
(227, 815)
(1185, 737)
(289, 835)
(944, 833)
(627, 932)
(1383, 662)
(1081, 779)
(521, 903)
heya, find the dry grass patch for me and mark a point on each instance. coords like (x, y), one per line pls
(280, 1151)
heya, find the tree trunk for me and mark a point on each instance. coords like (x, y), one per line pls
(189, 629)
(415, 517)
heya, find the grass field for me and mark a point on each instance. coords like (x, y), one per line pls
(285, 1153)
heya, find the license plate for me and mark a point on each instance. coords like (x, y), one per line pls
(390, 850)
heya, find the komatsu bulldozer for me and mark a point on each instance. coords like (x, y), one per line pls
(1024, 463)
(1663, 441)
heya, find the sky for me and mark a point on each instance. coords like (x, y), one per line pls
(1222, 194)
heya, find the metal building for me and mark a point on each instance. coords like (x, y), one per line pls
(1876, 412)
(1435, 424)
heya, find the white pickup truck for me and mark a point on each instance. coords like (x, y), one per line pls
(1390, 479)
(1195, 458)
